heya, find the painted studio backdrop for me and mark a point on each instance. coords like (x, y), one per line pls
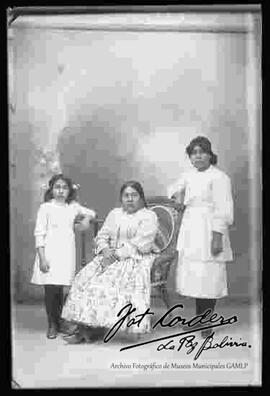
(117, 97)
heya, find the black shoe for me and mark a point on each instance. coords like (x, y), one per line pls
(52, 332)
(75, 339)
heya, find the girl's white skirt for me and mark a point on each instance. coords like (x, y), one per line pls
(201, 279)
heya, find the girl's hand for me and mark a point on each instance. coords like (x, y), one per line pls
(44, 266)
(82, 223)
(81, 227)
(216, 244)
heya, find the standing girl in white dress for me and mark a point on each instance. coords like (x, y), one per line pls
(55, 261)
(203, 241)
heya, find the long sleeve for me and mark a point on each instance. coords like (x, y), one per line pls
(103, 237)
(41, 226)
(143, 241)
(177, 189)
(223, 203)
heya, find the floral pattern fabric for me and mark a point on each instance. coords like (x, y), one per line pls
(97, 294)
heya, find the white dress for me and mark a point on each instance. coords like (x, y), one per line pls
(54, 230)
(208, 207)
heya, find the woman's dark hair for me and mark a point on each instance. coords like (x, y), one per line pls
(137, 186)
(205, 145)
(72, 195)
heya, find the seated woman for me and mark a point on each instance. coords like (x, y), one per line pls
(120, 272)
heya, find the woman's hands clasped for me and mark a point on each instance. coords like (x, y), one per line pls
(109, 254)
(109, 257)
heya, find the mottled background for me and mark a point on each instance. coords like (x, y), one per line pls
(110, 106)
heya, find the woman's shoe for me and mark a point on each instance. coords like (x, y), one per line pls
(76, 338)
(67, 329)
(66, 337)
(52, 332)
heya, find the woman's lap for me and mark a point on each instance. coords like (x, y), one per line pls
(96, 298)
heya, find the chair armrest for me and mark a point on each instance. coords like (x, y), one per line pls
(97, 223)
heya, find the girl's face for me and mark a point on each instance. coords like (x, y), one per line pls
(200, 159)
(60, 190)
(131, 200)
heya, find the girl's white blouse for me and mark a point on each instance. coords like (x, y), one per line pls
(54, 231)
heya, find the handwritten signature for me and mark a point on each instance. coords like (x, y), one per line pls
(187, 340)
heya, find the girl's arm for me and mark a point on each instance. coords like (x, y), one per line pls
(40, 234)
(223, 204)
(223, 211)
(144, 239)
(177, 190)
(86, 215)
(43, 263)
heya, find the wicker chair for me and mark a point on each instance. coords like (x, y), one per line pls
(169, 215)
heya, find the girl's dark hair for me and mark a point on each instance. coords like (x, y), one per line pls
(72, 195)
(205, 145)
(137, 186)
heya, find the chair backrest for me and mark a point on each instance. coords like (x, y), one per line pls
(169, 216)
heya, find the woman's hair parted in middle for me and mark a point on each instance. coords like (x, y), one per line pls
(72, 195)
(205, 145)
(137, 186)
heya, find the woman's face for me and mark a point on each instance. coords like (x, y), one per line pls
(131, 200)
(200, 159)
(60, 190)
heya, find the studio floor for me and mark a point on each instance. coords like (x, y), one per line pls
(38, 362)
